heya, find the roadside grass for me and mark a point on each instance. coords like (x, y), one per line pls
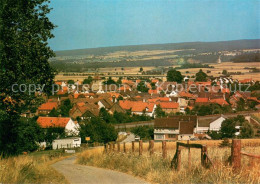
(32, 168)
(157, 170)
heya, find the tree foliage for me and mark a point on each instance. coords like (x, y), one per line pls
(174, 76)
(247, 130)
(24, 33)
(142, 87)
(98, 131)
(228, 129)
(144, 132)
(201, 76)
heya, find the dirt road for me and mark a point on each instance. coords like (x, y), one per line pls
(76, 173)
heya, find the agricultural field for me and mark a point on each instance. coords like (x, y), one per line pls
(216, 71)
(154, 169)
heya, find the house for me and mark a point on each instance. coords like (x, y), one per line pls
(69, 142)
(209, 123)
(202, 101)
(138, 107)
(105, 103)
(169, 107)
(116, 108)
(71, 127)
(47, 107)
(84, 110)
(219, 101)
(174, 128)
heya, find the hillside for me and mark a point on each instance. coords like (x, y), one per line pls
(152, 55)
(198, 46)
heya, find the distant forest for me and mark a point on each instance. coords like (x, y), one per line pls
(245, 58)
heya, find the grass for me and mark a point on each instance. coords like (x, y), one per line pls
(157, 170)
(33, 168)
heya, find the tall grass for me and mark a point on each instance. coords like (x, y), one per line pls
(30, 169)
(157, 170)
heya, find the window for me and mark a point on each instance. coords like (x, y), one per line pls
(159, 136)
(171, 136)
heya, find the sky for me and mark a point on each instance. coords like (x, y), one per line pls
(101, 23)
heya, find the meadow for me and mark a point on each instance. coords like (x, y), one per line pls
(32, 168)
(155, 169)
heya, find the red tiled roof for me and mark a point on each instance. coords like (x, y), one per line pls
(153, 91)
(225, 90)
(48, 106)
(137, 106)
(245, 81)
(140, 106)
(46, 122)
(169, 105)
(219, 101)
(202, 100)
(185, 94)
(155, 80)
(80, 104)
(58, 83)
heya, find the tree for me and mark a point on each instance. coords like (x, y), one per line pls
(159, 112)
(104, 115)
(241, 105)
(142, 87)
(98, 130)
(24, 33)
(109, 81)
(201, 76)
(174, 75)
(228, 129)
(144, 132)
(247, 130)
(65, 108)
(224, 72)
(141, 69)
(88, 80)
(53, 133)
(53, 113)
(71, 82)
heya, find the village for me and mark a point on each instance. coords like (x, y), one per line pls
(189, 110)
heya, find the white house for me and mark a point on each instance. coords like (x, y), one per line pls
(206, 123)
(216, 124)
(70, 142)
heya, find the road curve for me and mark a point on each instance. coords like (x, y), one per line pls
(78, 174)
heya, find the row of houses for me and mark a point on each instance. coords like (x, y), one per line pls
(191, 127)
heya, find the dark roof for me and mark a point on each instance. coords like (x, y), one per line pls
(204, 121)
(186, 127)
(173, 122)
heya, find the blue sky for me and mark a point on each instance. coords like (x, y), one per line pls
(101, 23)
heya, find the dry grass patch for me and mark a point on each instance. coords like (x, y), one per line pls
(156, 170)
(30, 169)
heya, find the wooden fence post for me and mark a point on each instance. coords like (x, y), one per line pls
(164, 150)
(151, 147)
(113, 144)
(118, 146)
(189, 155)
(140, 147)
(133, 146)
(124, 148)
(105, 146)
(178, 159)
(204, 158)
(236, 154)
